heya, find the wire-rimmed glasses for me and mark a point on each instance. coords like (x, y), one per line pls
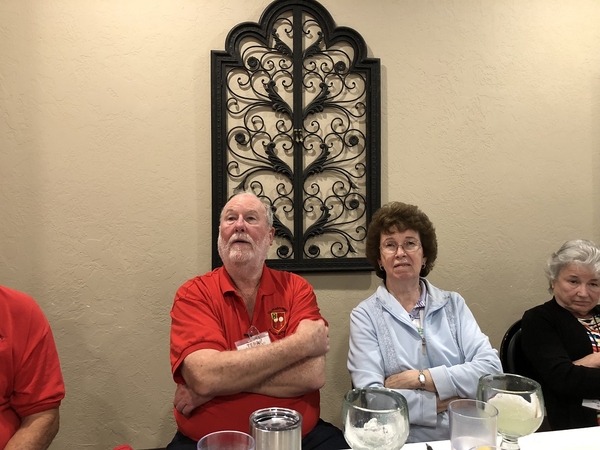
(391, 247)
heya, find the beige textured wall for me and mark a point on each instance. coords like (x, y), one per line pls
(491, 123)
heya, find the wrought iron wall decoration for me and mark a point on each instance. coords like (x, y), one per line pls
(296, 120)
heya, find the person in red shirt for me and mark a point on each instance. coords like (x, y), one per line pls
(31, 382)
(223, 376)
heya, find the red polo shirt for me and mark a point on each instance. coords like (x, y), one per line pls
(30, 377)
(208, 314)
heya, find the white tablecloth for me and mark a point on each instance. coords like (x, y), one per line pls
(437, 445)
(579, 439)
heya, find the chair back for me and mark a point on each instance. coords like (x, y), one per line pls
(511, 354)
(513, 360)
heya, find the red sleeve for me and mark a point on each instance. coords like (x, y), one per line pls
(38, 381)
(195, 324)
(303, 304)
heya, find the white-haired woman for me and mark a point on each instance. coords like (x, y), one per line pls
(561, 338)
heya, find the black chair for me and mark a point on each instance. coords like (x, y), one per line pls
(511, 354)
(513, 359)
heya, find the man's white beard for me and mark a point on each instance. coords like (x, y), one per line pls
(252, 254)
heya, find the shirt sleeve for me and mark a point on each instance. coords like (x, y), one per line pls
(194, 325)
(479, 357)
(303, 302)
(38, 380)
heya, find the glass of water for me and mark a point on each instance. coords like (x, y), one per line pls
(472, 423)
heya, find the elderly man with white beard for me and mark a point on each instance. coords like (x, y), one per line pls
(246, 337)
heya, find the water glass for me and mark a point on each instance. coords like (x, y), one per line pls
(226, 440)
(472, 423)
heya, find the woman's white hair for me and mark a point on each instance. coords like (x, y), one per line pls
(577, 251)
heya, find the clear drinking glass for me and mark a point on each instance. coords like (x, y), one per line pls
(226, 440)
(520, 405)
(375, 418)
(472, 423)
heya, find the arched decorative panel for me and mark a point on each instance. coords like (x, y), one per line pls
(296, 120)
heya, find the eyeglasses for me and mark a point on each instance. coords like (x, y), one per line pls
(391, 247)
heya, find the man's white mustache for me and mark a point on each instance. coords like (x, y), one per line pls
(240, 237)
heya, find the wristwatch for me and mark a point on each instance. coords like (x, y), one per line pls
(422, 379)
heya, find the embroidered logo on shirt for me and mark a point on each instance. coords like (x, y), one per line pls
(278, 320)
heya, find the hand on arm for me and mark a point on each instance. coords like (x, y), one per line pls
(211, 373)
(409, 379)
(592, 360)
(298, 379)
(36, 431)
(186, 400)
(442, 405)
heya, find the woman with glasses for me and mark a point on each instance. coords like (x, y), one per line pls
(411, 336)
(561, 338)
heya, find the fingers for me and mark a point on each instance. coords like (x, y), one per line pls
(180, 406)
(183, 400)
(186, 410)
(184, 407)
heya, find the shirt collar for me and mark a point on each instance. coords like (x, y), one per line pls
(266, 286)
(421, 303)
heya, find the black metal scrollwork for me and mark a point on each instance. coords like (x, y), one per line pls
(296, 120)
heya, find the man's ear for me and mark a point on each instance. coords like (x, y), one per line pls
(271, 235)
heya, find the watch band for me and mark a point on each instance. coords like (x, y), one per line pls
(422, 379)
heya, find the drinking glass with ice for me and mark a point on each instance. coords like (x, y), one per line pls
(375, 418)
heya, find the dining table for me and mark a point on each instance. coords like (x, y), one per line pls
(574, 439)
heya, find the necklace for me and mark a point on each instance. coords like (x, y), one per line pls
(419, 323)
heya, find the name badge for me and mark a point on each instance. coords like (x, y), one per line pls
(254, 341)
(591, 403)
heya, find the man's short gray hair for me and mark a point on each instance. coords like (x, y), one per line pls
(576, 251)
(268, 210)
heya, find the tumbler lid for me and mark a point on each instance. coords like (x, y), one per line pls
(275, 419)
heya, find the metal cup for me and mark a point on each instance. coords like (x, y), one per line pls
(276, 429)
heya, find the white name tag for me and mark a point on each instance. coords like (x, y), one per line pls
(254, 341)
(590, 403)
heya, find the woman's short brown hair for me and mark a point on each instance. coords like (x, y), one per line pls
(398, 216)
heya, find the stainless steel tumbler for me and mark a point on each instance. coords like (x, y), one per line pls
(276, 429)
